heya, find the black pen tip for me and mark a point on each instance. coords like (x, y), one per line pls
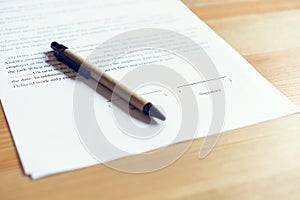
(152, 111)
(57, 47)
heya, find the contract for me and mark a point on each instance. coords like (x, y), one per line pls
(60, 121)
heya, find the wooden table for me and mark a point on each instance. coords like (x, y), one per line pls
(256, 162)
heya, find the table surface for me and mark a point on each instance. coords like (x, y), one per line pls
(255, 162)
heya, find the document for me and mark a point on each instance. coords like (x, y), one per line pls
(38, 93)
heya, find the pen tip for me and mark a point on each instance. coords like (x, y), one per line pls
(152, 111)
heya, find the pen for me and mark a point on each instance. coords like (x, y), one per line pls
(89, 70)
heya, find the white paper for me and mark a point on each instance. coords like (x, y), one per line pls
(40, 109)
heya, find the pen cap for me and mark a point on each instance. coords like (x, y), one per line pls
(58, 48)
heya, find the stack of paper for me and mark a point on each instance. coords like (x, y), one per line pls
(38, 92)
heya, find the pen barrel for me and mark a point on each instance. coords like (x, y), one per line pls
(109, 82)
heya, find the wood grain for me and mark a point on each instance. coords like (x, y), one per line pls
(256, 162)
(282, 68)
(8, 154)
(194, 3)
(241, 8)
